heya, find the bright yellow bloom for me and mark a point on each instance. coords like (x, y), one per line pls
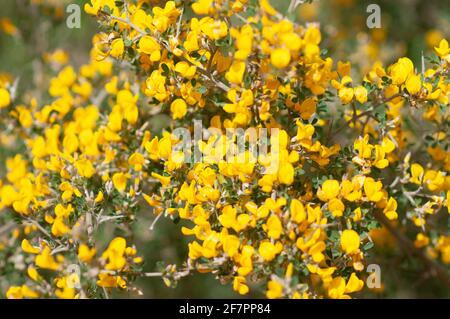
(114, 254)
(45, 260)
(120, 181)
(236, 72)
(297, 211)
(85, 254)
(413, 84)
(328, 190)
(150, 46)
(280, 58)
(417, 173)
(5, 98)
(20, 292)
(346, 95)
(269, 251)
(361, 94)
(354, 284)
(274, 227)
(117, 48)
(239, 285)
(136, 160)
(373, 189)
(178, 108)
(443, 49)
(85, 168)
(274, 289)
(349, 241)
(28, 248)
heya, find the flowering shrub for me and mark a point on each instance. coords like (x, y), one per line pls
(356, 156)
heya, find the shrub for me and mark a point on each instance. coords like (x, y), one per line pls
(356, 156)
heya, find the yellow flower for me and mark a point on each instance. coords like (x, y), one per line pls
(230, 244)
(85, 168)
(229, 219)
(155, 86)
(85, 254)
(150, 46)
(417, 173)
(346, 95)
(391, 209)
(120, 181)
(59, 228)
(239, 285)
(99, 198)
(25, 117)
(274, 227)
(5, 98)
(349, 241)
(117, 48)
(33, 274)
(136, 160)
(109, 281)
(363, 147)
(401, 70)
(186, 70)
(245, 260)
(164, 17)
(316, 251)
(387, 145)
(28, 248)
(286, 173)
(236, 72)
(336, 207)
(354, 284)
(178, 109)
(268, 251)
(203, 7)
(307, 108)
(413, 84)
(274, 290)
(434, 180)
(373, 189)
(443, 49)
(329, 190)
(280, 58)
(421, 240)
(97, 5)
(164, 180)
(379, 161)
(214, 29)
(20, 292)
(114, 254)
(361, 94)
(191, 43)
(357, 214)
(297, 211)
(45, 260)
(65, 285)
(336, 288)
(266, 6)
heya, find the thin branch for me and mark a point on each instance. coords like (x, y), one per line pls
(155, 221)
(42, 229)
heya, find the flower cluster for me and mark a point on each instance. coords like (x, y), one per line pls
(355, 153)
